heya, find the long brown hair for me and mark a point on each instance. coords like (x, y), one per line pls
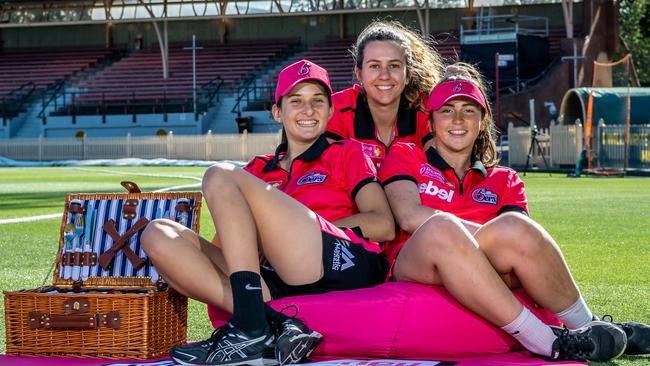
(485, 148)
(423, 63)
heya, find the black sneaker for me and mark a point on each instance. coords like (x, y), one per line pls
(194, 353)
(295, 341)
(228, 345)
(597, 341)
(638, 336)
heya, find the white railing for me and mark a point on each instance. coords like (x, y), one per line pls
(566, 144)
(519, 141)
(240, 147)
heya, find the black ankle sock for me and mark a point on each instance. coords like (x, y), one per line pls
(248, 303)
(274, 316)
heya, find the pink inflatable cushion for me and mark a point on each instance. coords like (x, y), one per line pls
(398, 320)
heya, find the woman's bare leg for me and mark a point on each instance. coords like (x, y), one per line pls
(442, 252)
(189, 263)
(526, 255)
(250, 214)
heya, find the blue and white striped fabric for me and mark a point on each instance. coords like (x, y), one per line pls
(112, 209)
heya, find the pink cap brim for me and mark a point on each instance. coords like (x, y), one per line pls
(449, 90)
(298, 72)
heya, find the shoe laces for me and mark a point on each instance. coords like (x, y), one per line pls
(216, 335)
(575, 344)
(294, 306)
(279, 327)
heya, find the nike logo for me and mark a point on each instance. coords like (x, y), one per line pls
(249, 287)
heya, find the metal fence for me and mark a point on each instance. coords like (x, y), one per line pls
(240, 147)
(611, 147)
(564, 143)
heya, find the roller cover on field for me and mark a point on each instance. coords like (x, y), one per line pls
(398, 320)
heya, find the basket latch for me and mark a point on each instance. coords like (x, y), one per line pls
(76, 306)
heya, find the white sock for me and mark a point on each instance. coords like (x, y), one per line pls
(534, 335)
(577, 315)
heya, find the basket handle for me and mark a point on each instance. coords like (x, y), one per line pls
(73, 321)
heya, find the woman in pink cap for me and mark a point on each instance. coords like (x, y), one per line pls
(471, 232)
(307, 216)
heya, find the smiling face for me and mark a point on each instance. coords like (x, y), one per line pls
(304, 112)
(383, 73)
(456, 125)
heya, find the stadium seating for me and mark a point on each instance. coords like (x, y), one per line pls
(138, 78)
(45, 66)
(26, 71)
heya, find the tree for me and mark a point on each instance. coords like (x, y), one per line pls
(635, 31)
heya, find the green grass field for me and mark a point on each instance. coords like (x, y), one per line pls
(601, 224)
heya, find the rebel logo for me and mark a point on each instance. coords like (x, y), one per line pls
(482, 195)
(312, 178)
(432, 190)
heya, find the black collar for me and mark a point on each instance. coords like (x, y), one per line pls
(364, 125)
(437, 161)
(312, 153)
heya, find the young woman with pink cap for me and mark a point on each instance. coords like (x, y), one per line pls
(299, 217)
(471, 232)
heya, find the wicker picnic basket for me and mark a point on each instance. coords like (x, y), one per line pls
(107, 300)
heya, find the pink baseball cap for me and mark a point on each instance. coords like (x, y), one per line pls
(298, 72)
(449, 90)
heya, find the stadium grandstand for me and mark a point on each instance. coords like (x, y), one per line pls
(77, 69)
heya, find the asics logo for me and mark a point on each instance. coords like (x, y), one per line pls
(432, 190)
(251, 288)
(226, 350)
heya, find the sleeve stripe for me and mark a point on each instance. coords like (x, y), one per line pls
(398, 177)
(360, 185)
(512, 208)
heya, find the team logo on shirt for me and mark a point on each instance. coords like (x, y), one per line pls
(427, 171)
(312, 178)
(342, 257)
(433, 190)
(482, 195)
(371, 150)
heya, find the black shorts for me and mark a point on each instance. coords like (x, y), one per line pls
(347, 265)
